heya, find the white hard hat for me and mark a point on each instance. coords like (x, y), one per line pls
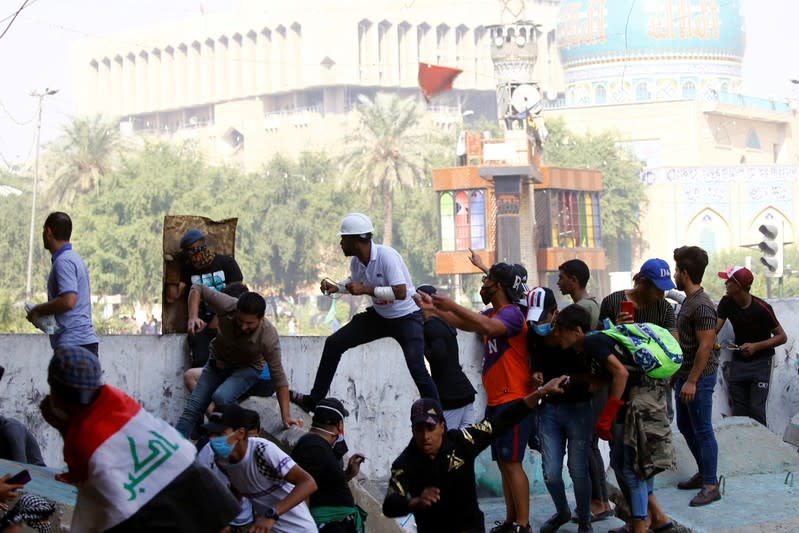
(356, 224)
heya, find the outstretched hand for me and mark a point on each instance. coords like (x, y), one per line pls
(477, 261)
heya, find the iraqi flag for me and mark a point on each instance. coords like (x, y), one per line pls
(121, 458)
(435, 79)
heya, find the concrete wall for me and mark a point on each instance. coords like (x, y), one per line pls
(372, 381)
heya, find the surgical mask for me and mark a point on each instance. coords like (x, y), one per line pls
(542, 330)
(340, 447)
(221, 446)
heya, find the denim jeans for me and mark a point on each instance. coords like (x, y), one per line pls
(693, 421)
(369, 326)
(223, 386)
(636, 491)
(562, 425)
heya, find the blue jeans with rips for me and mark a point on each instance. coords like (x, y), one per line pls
(223, 386)
(562, 425)
(693, 421)
(635, 491)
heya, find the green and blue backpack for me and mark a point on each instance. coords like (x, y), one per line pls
(653, 348)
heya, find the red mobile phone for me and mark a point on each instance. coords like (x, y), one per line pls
(20, 478)
(628, 307)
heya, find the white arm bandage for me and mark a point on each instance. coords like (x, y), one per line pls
(385, 293)
(342, 285)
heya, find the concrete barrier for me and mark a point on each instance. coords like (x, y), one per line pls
(372, 380)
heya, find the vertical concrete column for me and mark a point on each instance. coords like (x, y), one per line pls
(169, 71)
(129, 84)
(235, 67)
(527, 246)
(221, 68)
(105, 92)
(116, 74)
(264, 73)
(389, 53)
(279, 59)
(93, 82)
(154, 99)
(207, 71)
(250, 65)
(140, 72)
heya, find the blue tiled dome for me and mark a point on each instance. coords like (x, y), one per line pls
(601, 31)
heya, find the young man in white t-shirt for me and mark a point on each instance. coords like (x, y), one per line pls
(261, 472)
(377, 271)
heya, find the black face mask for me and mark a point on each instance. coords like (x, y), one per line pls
(340, 447)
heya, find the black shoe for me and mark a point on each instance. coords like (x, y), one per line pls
(303, 401)
(695, 482)
(554, 522)
(501, 527)
(518, 528)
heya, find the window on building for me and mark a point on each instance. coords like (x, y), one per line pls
(689, 90)
(446, 208)
(642, 93)
(752, 140)
(463, 220)
(600, 95)
(573, 220)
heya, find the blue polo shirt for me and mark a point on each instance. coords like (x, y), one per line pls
(69, 274)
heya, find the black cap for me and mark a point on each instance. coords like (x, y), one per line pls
(232, 416)
(329, 411)
(426, 411)
(426, 288)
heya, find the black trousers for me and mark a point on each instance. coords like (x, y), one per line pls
(748, 387)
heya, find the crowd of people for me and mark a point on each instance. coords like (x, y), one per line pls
(552, 381)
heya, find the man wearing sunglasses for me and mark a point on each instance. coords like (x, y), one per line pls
(202, 266)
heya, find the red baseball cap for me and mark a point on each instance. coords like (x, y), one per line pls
(740, 275)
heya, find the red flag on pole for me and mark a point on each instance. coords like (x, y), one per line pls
(435, 79)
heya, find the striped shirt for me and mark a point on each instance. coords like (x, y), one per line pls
(696, 314)
(660, 313)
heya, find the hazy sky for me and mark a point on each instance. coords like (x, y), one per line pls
(34, 54)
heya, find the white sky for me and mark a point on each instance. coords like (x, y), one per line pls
(34, 54)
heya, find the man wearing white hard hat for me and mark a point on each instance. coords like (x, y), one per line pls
(380, 272)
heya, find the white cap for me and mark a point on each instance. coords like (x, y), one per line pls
(538, 301)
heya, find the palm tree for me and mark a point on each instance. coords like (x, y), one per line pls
(386, 152)
(84, 152)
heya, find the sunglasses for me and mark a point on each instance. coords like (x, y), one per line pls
(194, 250)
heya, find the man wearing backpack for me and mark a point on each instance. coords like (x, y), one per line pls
(696, 379)
(634, 413)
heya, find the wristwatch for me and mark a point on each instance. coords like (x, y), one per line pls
(271, 513)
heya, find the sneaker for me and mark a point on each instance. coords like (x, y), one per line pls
(554, 522)
(502, 527)
(518, 528)
(695, 482)
(303, 401)
(705, 497)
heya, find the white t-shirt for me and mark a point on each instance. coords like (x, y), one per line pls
(385, 268)
(260, 476)
(205, 457)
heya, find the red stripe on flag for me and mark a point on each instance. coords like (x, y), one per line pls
(111, 410)
(435, 79)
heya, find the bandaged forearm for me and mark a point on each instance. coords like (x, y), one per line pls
(342, 285)
(385, 293)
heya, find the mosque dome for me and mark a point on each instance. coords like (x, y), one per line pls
(616, 51)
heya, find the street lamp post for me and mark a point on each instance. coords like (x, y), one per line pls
(40, 96)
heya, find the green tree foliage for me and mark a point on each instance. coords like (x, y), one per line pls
(83, 154)
(623, 195)
(386, 151)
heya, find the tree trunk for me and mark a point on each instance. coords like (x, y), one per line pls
(388, 215)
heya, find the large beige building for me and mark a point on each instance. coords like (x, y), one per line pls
(283, 78)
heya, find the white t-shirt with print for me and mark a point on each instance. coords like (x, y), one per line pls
(260, 476)
(205, 457)
(385, 269)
